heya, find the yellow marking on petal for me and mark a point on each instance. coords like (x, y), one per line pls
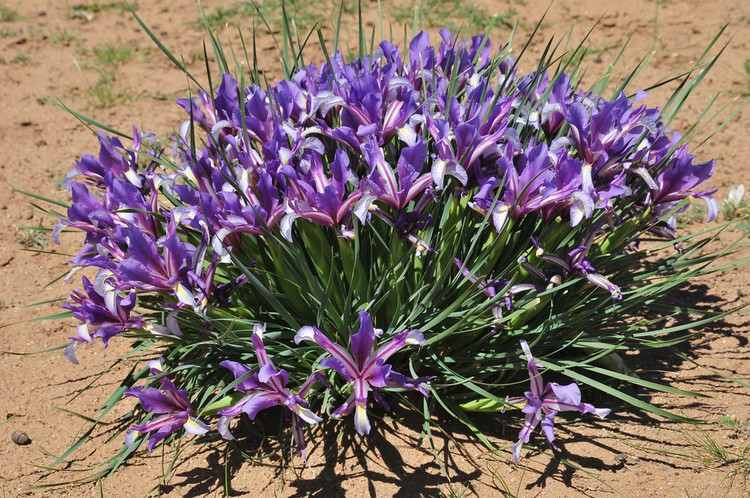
(83, 332)
(259, 329)
(191, 176)
(193, 427)
(133, 177)
(155, 364)
(439, 167)
(305, 414)
(360, 415)
(244, 180)
(407, 134)
(285, 155)
(475, 207)
(184, 295)
(421, 247)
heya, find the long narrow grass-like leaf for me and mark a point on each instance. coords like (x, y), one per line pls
(81, 416)
(56, 202)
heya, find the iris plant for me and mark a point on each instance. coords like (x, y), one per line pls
(442, 191)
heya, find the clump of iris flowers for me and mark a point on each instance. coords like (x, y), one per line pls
(392, 226)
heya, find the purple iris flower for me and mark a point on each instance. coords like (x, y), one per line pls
(323, 198)
(363, 111)
(447, 160)
(364, 368)
(211, 113)
(421, 56)
(605, 131)
(120, 204)
(264, 389)
(173, 407)
(113, 158)
(553, 110)
(259, 208)
(678, 180)
(538, 179)
(383, 182)
(402, 104)
(578, 264)
(103, 313)
(259, 119)
(146, 269)
(89, 214)
(542, 405)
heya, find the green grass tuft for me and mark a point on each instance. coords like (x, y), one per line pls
(108, 92)
(96, 7)
(7, 14)
(453, 14)
(61, 36)
(113, 56)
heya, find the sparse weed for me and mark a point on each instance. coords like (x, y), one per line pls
(710, 452)
(705, 449)
(452, 14)
(61, 36)
(107, 92)
(56, 179)
(305, 15)
(21, 59)
(113, 56)
(159, 96)
(82, 50)
(96, 7)
(7, 14)
(221, 16)
(453, 491)
(737, 425)
(195, 56)
(106, 60)
(33, 237)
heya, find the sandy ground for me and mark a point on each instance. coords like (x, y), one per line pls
(59, 49)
